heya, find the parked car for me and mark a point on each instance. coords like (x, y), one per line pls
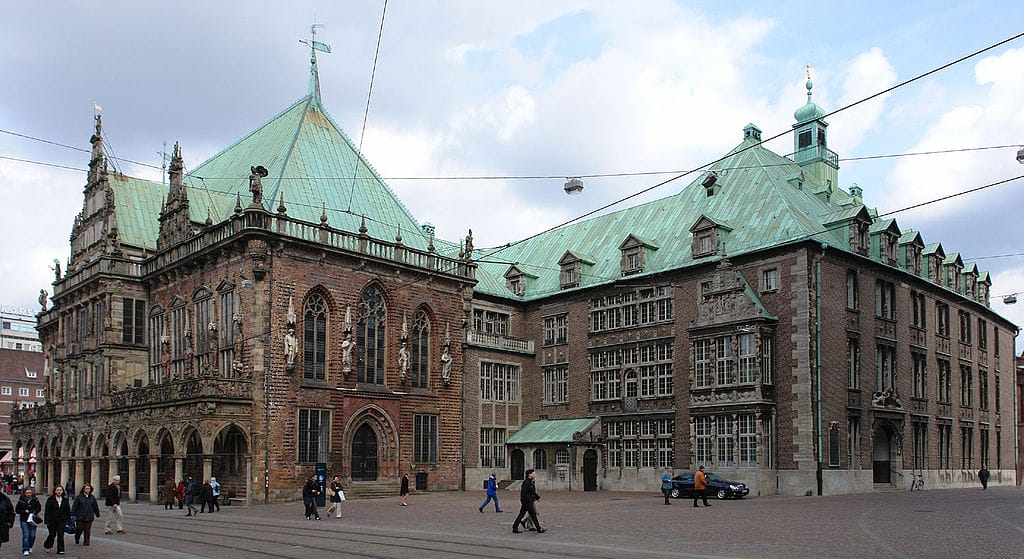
(682, 486)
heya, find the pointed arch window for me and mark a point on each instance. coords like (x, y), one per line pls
(314, 337)
(371, 335)
(420, 342)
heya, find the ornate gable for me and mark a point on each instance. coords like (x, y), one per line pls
(727, 299)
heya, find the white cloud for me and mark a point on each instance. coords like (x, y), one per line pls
(867, 74)
(1004, 283)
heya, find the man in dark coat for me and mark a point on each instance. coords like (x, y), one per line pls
(527, 498)
(6, 518)
(983, 475)
(115, 518)
(206, 496)
(309, 495)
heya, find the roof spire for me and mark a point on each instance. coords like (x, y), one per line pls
(314, 45)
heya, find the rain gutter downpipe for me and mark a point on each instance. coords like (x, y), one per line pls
(817, 360)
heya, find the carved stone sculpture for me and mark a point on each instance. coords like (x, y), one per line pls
(403, 362)
(290, 347)
(42, 298)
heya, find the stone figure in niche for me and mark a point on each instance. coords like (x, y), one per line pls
(42, 298)
(403, 361)
(290, 347)
(446, 366)
(346, 352)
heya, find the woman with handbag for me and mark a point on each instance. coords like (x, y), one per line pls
(337, 496)
(84, 510)
(28, 508)
(57, 513)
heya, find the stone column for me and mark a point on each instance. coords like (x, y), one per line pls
(95, 481)
(111, 468)
(207, 467)
(132, 477)
(179, 469)
(79, 473)
(51, 473)
(65, 472)
(154, 487)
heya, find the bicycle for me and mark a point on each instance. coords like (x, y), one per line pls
(917, 483)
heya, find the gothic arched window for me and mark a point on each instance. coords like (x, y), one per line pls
(420, 347)
(314, 337)
(371, 335)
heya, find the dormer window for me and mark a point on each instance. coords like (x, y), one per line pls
(571, 269)
(892, 254)
(515, 285)
(517, 280)
(859, 237)
(707, 236)
(570, 276)
(634, 254)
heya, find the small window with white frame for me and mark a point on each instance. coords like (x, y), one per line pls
(6, 390)
(770, 280)
(23, 392)
(40, 393)
(31, 374)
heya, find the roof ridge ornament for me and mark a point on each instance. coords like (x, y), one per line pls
(314, 45)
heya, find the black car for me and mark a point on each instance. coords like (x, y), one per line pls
(682, 486)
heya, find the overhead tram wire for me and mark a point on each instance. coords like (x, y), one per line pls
(366, 111)
(779, 135)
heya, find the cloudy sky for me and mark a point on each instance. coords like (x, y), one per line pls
(526, 88)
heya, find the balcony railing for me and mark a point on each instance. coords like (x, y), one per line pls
(207, 388)
(314, 233)
(499, 341)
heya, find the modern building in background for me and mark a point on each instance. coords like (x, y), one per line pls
(18, 329)
(286, 312)
(22, 385)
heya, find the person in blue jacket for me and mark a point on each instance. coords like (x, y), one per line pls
(492, 493)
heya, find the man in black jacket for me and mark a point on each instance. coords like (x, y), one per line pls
(527, 498)
(309, 495)
(115, 519)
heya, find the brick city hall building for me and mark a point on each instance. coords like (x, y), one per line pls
(278, 308)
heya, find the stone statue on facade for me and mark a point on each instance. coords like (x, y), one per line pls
(256, 183)
(56, 268)
(290, 347)
(403, 352)
(43, 295)
(446, 357)
(347, 344)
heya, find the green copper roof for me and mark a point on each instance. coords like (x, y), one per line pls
(315, 165)
(756, 195)
(310, 161)
(551, 431)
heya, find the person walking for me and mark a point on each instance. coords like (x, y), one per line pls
(492, 493)
(179, 494)
(169, 494)
(310, 491)
(6, 518)
(403, 490)
(57, 514)
(666, 484)
(69, 487)
(983, 475)
(28, 509)
(206, 497)
(528, 498)
(337, 494)
(115, 518)
(215, 487)
(191, 491)
(700, 487)
(84, 509)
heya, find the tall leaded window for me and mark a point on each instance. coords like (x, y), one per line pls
(420, 358)
(982, 389)
(747, 358)
(179, 325)
(314, 337)
(967, 447)
(702, 432)
(885, 369)
(885, 300)
(965, 327)
(371, 335)
(499, 382)
(853, 363)
(203, 314)
(942, 316)
(556, 385)
(920, 375)
(492, 447)
(226, 329)
(852, 290)
(156, 346)
(920, 445)
(726, 442)
(133, 321)
(945, 382)
(314, 435)
(424, 434)
(945, 446)
(540, 459)
(703, 375)
(917, 298)
(746, 428)
(556, 329)
(966, 386)
(725, 363)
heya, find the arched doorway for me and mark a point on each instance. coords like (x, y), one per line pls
(881, 457)
(590, 470)
(364, 454)
(517, 462)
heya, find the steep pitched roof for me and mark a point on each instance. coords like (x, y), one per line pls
(310, 160)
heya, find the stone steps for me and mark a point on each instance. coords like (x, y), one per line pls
(372, 489)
